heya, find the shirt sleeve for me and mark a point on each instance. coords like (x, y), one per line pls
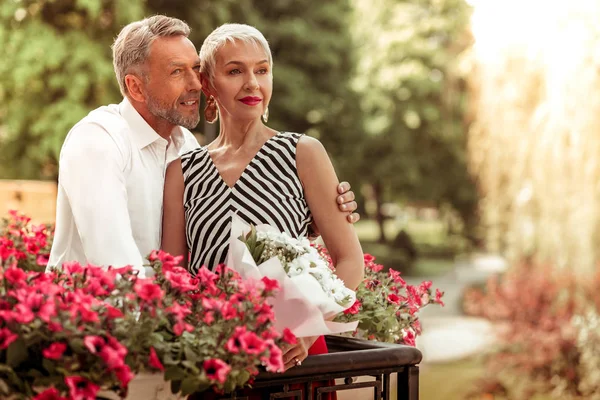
(92, 174)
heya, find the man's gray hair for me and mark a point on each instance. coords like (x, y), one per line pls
(132, 46)
(229, 33)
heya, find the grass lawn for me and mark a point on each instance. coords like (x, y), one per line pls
(454, 380)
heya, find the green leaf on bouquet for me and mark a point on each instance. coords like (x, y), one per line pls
(256, 255)
(16, 353)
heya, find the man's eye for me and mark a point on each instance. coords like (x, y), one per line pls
(176, 72)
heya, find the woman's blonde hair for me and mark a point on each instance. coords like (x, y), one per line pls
(229, 33)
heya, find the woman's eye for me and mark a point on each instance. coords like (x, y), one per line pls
(263, 71)
(234, 72)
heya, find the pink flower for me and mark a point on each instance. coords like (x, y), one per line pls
(54, 351)
(376, 267)
(124, 375)
(180, 279)
(270, 284)
(113, 312)
(154, 361)
(368, 258)
(233, 344)
(180, 311)
(42, 260)
(23, 314)
(72, 268)
(81, 389)
(147, 290)
(354, 309)
(395, 275)
(252, 344)
(409, 337)
(438, 297)
(289, 337)
(49, 394)
(394, 298)
(209, 317)
(94, 343)
(182, 326)
(216, 369)
(15, 276)
(6, 338)
(273, 363)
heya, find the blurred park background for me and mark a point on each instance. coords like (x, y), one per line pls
(468, 129)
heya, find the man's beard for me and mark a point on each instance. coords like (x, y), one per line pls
(170, 114)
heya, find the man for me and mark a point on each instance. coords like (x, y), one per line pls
(113, 162)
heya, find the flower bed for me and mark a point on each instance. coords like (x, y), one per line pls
(84, 330)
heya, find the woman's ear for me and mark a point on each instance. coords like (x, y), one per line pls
(135, 88)
(207, 88)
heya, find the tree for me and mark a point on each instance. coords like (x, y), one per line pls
(56, 68)
(413, 102)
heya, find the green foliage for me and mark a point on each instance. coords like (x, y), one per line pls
(56, 68)
(413, 100)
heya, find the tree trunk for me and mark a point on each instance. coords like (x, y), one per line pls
(378, 193)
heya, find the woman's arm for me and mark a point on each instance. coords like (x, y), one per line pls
(320, 181)
(173, 223)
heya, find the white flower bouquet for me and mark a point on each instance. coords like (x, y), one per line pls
(310, 294)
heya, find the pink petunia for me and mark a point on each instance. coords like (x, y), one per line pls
(216, 369)
(289, 337)
(94, 343)
(49, 394)
(54, 351)
(394, 298)
(270, 284)
(250, 343)
(354, 309)
(273, 363)
(81, 389)
(6, 338)
(154, 361)
(147, 290)
(123, 374)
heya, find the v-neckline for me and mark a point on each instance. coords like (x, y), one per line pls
(214, 166)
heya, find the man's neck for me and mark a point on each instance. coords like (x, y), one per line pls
(160, 126)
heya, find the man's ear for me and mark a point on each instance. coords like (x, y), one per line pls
(135, 88)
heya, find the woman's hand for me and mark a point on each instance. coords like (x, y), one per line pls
(296, 353)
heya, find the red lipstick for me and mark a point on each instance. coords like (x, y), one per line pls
(251, 100)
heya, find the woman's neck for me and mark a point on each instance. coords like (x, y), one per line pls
(235, 134)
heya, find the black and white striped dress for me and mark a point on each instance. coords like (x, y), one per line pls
(269, 191)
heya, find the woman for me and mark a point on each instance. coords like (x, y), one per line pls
(264, 176)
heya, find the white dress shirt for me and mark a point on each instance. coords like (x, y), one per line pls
(110, 188)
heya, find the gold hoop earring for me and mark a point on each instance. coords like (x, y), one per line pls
(265, 115)
(211, 111)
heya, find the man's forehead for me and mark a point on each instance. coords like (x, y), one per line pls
(176, 49)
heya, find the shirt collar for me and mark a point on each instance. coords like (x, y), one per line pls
(142, 133)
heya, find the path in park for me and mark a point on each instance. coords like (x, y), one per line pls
(447, 333)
